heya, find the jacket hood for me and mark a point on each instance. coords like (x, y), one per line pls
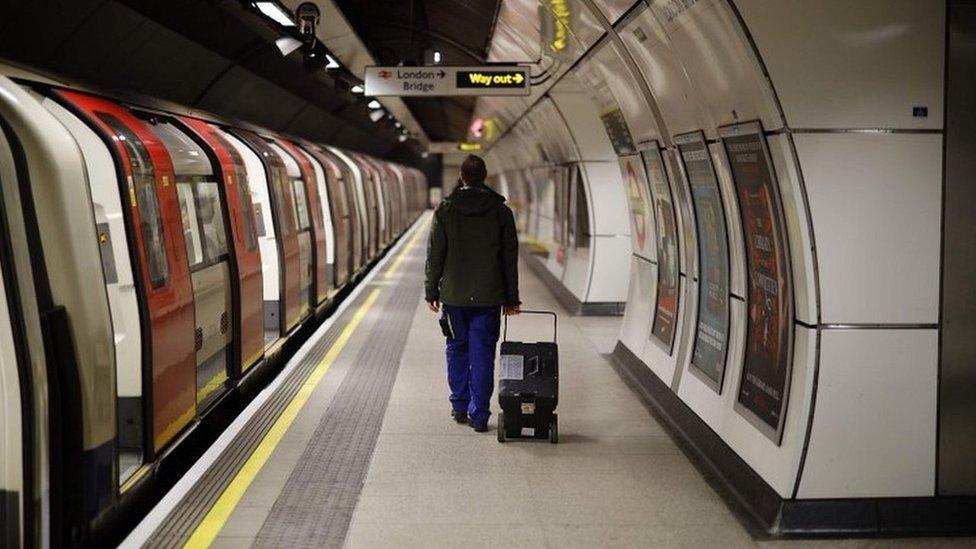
(474, 200)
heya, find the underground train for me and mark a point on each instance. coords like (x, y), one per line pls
(152, 261)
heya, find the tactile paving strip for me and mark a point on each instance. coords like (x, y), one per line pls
(317, 502)
(178, 526)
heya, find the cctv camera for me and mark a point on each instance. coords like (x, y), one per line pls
(308, 16)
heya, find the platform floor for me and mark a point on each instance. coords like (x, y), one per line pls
(372, 458)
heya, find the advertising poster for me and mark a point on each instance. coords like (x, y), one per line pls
(711, 336)
(766, 372)
(666, 313)
(618, 132)
(635, 183)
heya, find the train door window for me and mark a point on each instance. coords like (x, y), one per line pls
(301, 204)
(211, 216)
(275, 185)
(191, 226)
(142, 191)
(335, 173)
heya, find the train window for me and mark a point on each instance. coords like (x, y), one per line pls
(142, 189)
(344, 195)
(301, 204)
(279, 199)
(191, 227)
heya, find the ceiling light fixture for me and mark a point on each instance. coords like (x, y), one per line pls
(437, 57)
(332, 63)
(376, 115)
(402, 138)
(357, 89)
(274, 11)
(287, 44)
(374, 104)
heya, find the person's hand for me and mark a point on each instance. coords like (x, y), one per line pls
(434, 306)
(512, 310)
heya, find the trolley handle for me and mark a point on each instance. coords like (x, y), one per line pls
(555, 320)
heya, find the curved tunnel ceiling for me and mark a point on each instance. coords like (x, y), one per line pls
(215, 56)
(400, 31)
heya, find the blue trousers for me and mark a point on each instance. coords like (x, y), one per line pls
(471, 359)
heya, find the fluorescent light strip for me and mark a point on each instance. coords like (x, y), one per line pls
(273, 11)
(287, 44)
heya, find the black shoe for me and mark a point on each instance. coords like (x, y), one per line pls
(460, 417)
(480, 428)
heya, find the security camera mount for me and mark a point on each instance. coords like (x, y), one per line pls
(308, 16)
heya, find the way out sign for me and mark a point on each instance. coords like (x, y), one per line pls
(444, 81)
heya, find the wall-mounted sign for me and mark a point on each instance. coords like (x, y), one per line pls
(446, 81)
(764, 386)
(666, 311)
(556, 20)
(712, 334)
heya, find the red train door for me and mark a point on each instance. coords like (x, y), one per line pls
(320, 256)
(245, 242)
(286, 228)
(147, 183)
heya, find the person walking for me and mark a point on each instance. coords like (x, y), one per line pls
(472, 277)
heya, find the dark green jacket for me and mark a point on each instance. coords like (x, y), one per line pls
(472, 254)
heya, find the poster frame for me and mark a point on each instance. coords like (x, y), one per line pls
(640, 171)
(775, 434)
(698, 136)
(647, 148)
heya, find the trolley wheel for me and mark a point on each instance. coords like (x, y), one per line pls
(554, 429)
(501, 427)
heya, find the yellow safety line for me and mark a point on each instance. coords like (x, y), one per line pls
(206, 532)
(215, 382)
(406, 249)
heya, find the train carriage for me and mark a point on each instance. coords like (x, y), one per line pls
(201, 250)
(354, 180)
(340, 213)
(314, 175)
(281, 231)
(246, 256)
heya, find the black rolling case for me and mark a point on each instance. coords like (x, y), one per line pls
(528, 387)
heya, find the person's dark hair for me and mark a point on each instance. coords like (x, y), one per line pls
(473, 170)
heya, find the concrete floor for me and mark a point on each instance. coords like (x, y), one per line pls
(615, 479)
